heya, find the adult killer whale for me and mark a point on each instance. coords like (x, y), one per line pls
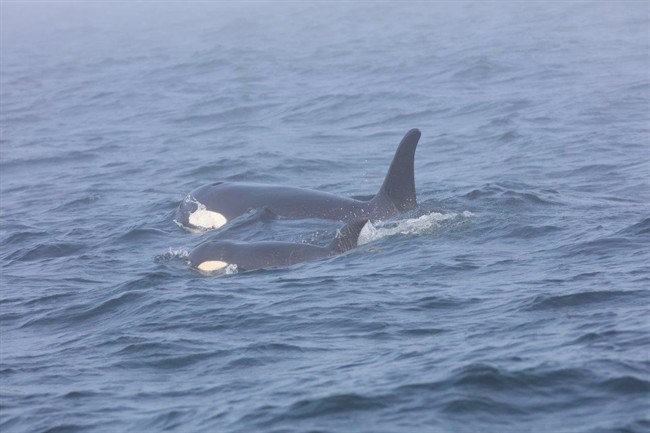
(217, 255)
(212, 206)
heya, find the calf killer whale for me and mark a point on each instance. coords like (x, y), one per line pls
(212, 206)
(217, 255)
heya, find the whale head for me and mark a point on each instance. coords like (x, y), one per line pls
(192, 214)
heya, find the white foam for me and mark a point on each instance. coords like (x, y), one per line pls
(171, 254)
(367, 234)
(231, 269)
(410, 226)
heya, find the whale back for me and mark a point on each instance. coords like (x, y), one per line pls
(214, 205)
(219, 254)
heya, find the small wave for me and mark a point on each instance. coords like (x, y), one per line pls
(440, 303)
(170, 419)
(542, 302)
(53, 160)
(638, 229)
(400, 119)
(509, 136)
(464, 405)
(174, 362)
(146, 281)
(245, 362)
(46, 251)
(480, 379)
(84, 312)
(67, 428)
(604, 247)
(612, 338)
(275, 348)
(234, 115)
(80, 202)
(584, 276)
(325, 105)
(162, 354)
(208, 170)
(24, 236)
(626, 385)
(591, 169)
(514, 195)
(333, 404)
(49, 299)
(528, 232)
(80, 394)
(492, 378)
(421, 332)
(479, 68)
(515, 198)
(140, 234)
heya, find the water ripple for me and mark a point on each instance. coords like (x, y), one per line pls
(512, 299)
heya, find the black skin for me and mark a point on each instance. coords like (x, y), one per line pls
(256, 255)
(232, 199)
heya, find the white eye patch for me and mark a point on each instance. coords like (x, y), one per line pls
(212, 265)
(207, 219)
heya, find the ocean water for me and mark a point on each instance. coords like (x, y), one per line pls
(513, 299)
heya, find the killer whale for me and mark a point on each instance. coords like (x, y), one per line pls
(217, 255)
(211, 206)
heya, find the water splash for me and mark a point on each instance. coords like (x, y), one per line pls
(230, 269)
(204, 222)
(424, 224)
(367, 234)
(172, 254)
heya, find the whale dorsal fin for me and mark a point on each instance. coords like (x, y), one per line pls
(348, 236)
(399, 184)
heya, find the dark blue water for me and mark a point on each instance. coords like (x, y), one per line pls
(515, 298)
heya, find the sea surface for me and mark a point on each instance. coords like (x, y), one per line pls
(513, 299)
